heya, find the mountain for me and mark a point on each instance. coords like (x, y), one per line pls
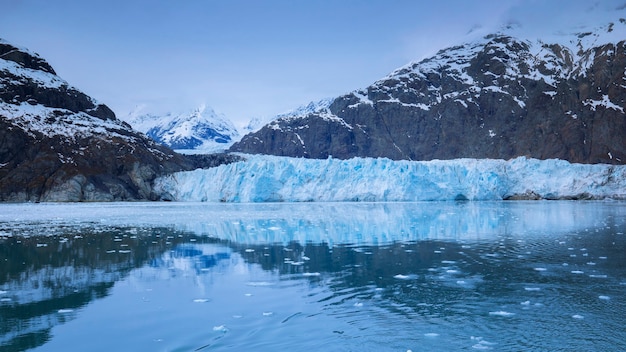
(58, 144)
(200, 129)
(500, 96)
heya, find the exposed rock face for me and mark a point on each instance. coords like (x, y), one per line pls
(58, 144)
(499, 97)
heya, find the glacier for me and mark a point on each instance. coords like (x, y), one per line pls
(264, 178)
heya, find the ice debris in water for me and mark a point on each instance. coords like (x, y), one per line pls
(482, 344)
(404, 277)
(431, 334)
(200, 300)
(220, 328)
(502, 313)
(604, 297)
(63, 311)
(577, 316)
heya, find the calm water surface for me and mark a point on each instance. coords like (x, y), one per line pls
(502, 276)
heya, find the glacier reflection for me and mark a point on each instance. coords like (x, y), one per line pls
(334, 223)
(325, 271)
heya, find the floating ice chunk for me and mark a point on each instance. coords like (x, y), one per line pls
(532, 288)
(598, 276)
(3, 292)
(431, 334)
(5, 299)
(267, 314)
(577, 316)
(311, 274)
(482, 344)
(220, 328)
(577, 272)
(604, 258)
(200, 300)
(404, 277)
(541, 269)
(358, 304)
(502, 313)
(259, 283)
(65, 311)
(525, 303)
(249, 250)
(606, 298)
(123, 251)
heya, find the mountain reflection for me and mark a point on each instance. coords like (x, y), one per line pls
(44, 279)
(413, 261)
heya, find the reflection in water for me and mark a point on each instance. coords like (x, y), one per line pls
(390, 277)
(45, 279)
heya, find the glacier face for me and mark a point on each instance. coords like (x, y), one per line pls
(284, 179)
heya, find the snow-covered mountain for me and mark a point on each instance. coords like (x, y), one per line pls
(257, 123)
(58, 144)
(561, 95)
(200, 129)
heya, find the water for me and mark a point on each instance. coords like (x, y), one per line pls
(501, 276)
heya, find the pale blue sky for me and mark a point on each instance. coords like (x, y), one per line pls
(249, 58)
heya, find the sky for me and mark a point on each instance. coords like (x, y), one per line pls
(252, 58)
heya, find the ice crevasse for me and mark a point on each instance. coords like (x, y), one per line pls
(276, 179)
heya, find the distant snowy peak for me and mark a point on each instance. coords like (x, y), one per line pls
(200, 129)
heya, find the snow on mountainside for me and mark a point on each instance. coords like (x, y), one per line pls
(313, 107)
(200, 129)
(509, 94)
(278, 179)
(58, 144)
(37, 116)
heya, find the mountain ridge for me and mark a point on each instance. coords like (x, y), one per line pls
(59, 144)
(496, 97)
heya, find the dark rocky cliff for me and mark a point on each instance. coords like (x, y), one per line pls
(58, 144)
(499, 97)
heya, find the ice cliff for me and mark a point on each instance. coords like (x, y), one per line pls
(285, 179)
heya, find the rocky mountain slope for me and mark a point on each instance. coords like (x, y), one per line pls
(501, 96)
(200, 129)
(58, 144)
